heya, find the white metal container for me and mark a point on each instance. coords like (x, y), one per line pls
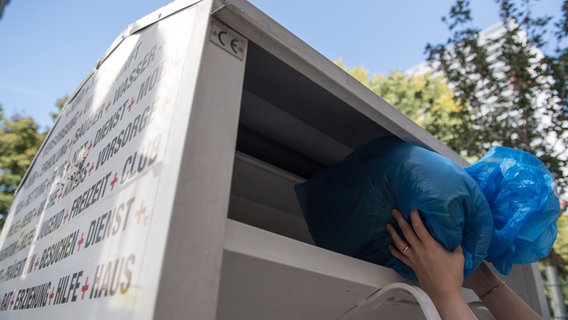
(165, 189)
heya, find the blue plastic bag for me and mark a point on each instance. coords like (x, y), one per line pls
(522, 195)
(348, 205)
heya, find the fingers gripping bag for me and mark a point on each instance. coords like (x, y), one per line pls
(348, 205)
(522, 195)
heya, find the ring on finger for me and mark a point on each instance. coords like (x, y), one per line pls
(404, 250)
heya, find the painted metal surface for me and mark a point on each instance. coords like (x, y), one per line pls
(86, 231)
(165, 189)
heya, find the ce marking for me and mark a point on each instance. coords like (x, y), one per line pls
(233, 41)
(228, 40)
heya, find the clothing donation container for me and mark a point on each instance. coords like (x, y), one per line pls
(165, 189)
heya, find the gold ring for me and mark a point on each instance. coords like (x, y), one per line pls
(404, 250)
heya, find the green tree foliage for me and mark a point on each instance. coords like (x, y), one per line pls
(558, 259)
(561, 244)
(425, 99)
(514, 94)
(19, 142)
(561, 249)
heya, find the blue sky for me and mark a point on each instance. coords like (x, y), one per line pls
(49, 47)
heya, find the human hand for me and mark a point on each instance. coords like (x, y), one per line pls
(439, 271)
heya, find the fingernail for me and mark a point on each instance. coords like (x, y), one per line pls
(394, 212)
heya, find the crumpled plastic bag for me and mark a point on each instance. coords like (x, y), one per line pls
(348, 205)
(523, 197)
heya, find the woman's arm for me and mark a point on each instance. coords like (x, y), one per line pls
(503, 302)
(439, 271)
